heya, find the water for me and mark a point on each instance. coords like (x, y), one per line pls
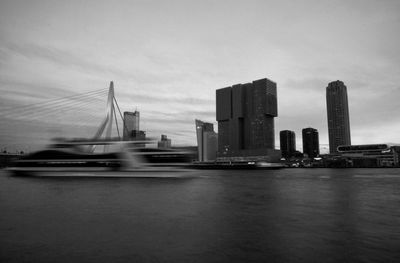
(290, 215)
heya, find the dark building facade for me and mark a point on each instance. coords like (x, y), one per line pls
(338, 115)
(245, 115)
(310, 142)
(288, 143)
(138, 136)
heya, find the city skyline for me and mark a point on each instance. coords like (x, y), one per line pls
(168, 62)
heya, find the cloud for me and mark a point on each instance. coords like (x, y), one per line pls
(168, 61)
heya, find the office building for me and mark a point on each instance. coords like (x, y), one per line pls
(338, 115)
(245, 115)
(131, 131)
(164, 143)
(288, 143)
(310, 142)
(131, 123)
(138, 136)
(207, 141)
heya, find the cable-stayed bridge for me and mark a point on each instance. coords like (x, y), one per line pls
(90, 115)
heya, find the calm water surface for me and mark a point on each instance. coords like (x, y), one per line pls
(290, 215)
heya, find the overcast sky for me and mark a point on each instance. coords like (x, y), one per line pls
(167, 58)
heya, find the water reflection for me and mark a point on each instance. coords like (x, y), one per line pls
(300, 215)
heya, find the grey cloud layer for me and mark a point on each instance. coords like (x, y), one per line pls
(168, 61)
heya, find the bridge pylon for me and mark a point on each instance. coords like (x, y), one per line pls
(106, 124)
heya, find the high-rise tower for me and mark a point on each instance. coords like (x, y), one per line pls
(310, 142)
(338, 115)
(245, 115)
(288, 143)
(131, 125)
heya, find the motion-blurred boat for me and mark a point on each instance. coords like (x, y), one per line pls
(124, 159)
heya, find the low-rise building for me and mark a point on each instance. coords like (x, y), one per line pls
(164, 143)
(369, 155)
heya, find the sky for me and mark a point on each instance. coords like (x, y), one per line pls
(167, 58)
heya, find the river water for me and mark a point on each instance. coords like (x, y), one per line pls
(288, 215)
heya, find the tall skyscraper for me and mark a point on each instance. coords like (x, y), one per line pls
(310, 142)
(207, 141)
(288, 143)
(338, 115)
(245, 115)
(131, 124)
(131, 128)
